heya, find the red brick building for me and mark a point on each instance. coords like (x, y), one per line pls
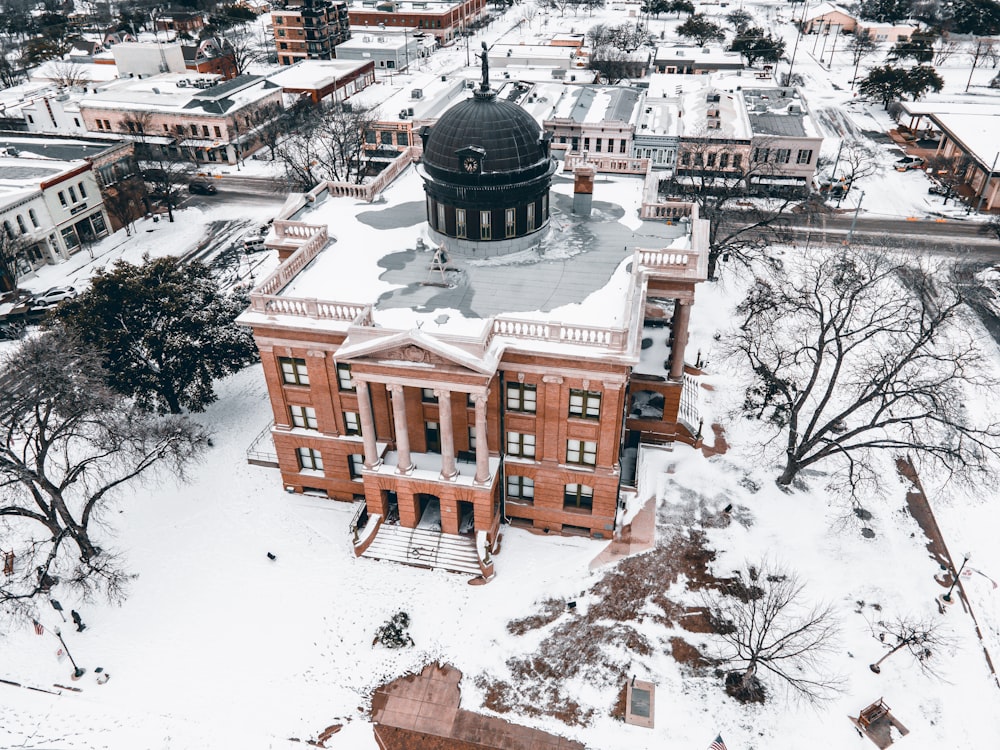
(444, 19)
(451, 402)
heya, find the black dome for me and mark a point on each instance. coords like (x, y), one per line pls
(507, 134)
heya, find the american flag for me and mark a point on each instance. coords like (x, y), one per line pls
(718, 744)
(39, 629)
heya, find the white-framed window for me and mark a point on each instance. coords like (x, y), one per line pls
(72, 194)
(355, 465)
(461, 228)
(510, 222)
(344, 380)
(520, 444)
(521, 489)
(352, 425)
(782, 155)
(441, 222)
(584, 404)
(485, 227)
(805, 156)
(83, 191)
(522, 397)
(304, 416)
(578, 496)
(310, 459)
(428, 396)
(583, 452)
(294, 370)
(531, 217)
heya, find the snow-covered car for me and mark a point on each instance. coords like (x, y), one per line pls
(909, 162)
(52, 297)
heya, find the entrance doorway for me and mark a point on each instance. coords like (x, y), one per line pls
(466, 517)
(429, 507)
(389, 500)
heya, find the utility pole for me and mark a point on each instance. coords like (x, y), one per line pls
(854, 221)
(798, 36)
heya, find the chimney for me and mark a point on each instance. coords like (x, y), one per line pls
(583, 189)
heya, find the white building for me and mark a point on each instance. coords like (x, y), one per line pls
(143, 59)
(389, 49)
(53, 206)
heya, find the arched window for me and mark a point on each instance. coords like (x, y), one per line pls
(34, 217)
(8, 228)
(21, 225)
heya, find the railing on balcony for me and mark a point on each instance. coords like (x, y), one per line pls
(261, 450)
(689, 413)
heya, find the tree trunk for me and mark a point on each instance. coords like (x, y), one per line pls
(790, 472)
(713, 263)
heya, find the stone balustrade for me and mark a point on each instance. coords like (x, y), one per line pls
(605, 338)
(607, 164)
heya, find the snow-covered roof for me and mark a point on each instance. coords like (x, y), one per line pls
(977, 133)
(824, 9)
(434, 95)
(709, 56)
(173, 93)
(21, 176)
(580, 275)
(392, 38)
(315, 74)
(55, 70)
(596, 104)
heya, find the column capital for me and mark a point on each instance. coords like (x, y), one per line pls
(441, 393)
(394, 388)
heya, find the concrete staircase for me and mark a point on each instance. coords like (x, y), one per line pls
(425, 549)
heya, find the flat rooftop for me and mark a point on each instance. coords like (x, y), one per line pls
(579, 274)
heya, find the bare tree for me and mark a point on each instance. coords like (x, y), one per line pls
(855, 352)
(67, 74)
(613, 65)
(125, 201)
(241, 43)
(861, 45)
(70, 447)
(769, 633)
(945, 50)
(529, 12)
(10, 246)
(984, 51)
(922, 637)
(167, 176)
(950, 172)
(720, 176)
(328, 144)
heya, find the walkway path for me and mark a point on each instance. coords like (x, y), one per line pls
(920, 509)
(420, 712)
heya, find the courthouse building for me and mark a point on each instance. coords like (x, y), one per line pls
(490, 343)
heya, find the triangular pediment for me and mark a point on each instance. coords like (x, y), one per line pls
(418, 348)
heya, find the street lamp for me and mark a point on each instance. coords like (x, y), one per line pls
(954, 582)
(78, 672)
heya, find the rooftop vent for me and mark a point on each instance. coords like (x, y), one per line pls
(417, 94)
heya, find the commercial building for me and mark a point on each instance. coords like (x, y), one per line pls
(201, 118)
(445, 20)
(51, 208)
(309, 30)
(388, 49)
(325, 80)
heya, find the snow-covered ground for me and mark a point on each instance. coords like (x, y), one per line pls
(217, 646)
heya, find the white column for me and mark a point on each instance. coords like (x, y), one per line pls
(403, 463)
(372, 461)
(448, 470)
(482, 444)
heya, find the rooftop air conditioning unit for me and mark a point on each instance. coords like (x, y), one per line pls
(794, 109)
(444, 78)
(156, 90)
(182, 84)
(417, 94)
(409, 111)
(402, 114)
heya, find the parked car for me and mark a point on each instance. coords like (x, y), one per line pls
(936, 189)
(202, 187)
(52, 297)
(909, 162)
